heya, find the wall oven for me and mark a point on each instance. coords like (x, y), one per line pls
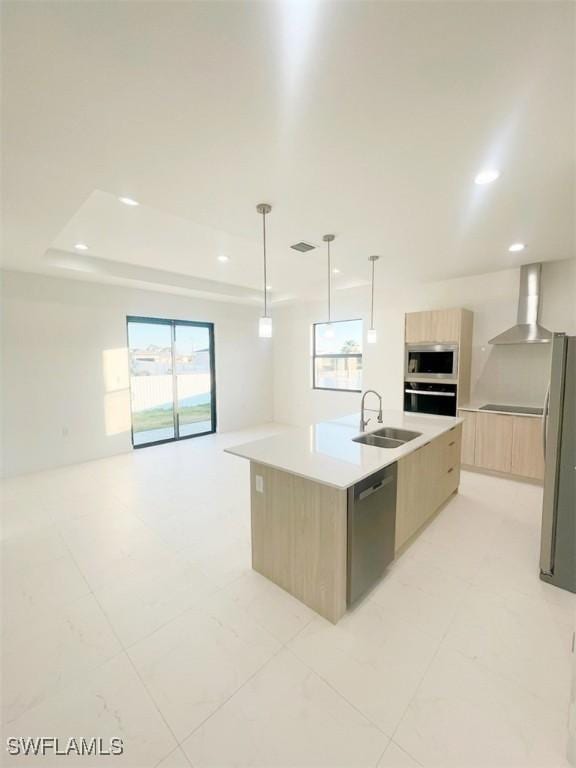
(420, 397)
(437, 361)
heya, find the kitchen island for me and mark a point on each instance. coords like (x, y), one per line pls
(304, 484)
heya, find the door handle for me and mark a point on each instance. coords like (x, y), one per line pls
(545, 419)
(374, 488)
(429, 392)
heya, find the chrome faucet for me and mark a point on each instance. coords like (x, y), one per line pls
(363, 421)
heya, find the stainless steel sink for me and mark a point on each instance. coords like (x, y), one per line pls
(387, 437)
(379, 442)
(404, 435)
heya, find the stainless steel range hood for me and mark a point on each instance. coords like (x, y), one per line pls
(527, 329)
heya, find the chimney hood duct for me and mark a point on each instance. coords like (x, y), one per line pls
(527, 329)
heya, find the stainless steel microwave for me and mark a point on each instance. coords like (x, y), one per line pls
(436, 361)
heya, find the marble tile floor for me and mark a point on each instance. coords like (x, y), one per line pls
(129, 610)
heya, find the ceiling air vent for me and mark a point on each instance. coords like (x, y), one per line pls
(303, 247)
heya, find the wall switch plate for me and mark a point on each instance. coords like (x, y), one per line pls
(259, 484)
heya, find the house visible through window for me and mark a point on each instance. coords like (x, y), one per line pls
(337, 355)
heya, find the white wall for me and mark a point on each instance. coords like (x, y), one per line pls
(65, 386)
(514, 374)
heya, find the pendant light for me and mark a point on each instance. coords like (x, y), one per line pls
(265, 322)
(371, 336)
(329, 332)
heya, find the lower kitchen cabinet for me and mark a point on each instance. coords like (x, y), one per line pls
(527, 449)
(468, 436)
(426, 478)
(410, 496)
(493, 448)
(503, 443)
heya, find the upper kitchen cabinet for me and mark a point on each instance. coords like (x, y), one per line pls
(438, 325)
(424, 332)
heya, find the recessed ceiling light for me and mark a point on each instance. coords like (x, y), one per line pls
(81, 247)
(515, 247)
(223, 258)
(487, 176)
(128, 201)
(335, 271)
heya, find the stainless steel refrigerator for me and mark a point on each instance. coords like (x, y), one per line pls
(558, 543)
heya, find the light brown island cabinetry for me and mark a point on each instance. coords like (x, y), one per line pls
(503, 443)
(426, 478)
(300, 526)
(299, 537)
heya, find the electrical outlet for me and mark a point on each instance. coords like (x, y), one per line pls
(259, 484)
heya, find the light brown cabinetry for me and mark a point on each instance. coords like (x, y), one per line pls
(527, 451)
(433, 325)
(445, 326)
(468, 437)
(503, 443)
(493, 448)
(426, 478)
(410, 498)
(299, 538)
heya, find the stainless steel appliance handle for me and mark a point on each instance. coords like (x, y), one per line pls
(427, 392)
(545, 419)
(374, 488)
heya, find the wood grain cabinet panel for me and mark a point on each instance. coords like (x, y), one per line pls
(493, 443)
(299, 538)
(468, 437)
(408, 496)
(433, 325)
(426, 478)
(418, 327)
(447, 323)
(527, 451)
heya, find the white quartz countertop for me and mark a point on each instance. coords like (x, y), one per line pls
(326, 453)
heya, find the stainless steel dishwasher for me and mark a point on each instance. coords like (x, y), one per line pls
(371, 530)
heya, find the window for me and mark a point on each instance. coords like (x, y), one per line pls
(172, 386)
(337, 355)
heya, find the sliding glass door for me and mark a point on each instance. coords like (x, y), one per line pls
(171, 379)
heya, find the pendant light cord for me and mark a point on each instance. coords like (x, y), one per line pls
(329, 284)
(372, 307)
(265, 277)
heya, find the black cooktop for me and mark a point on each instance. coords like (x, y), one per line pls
(512, 409)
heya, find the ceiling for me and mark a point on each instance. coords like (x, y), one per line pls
(365, 119)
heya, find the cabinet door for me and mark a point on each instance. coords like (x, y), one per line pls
(433, 325)
(446, 325)
(419, 327)
(432, 464)
(409, 496)
(493, 444)
(527, 450)
(468, 437)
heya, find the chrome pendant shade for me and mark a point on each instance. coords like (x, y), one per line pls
(265, 323)
(371, 336)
